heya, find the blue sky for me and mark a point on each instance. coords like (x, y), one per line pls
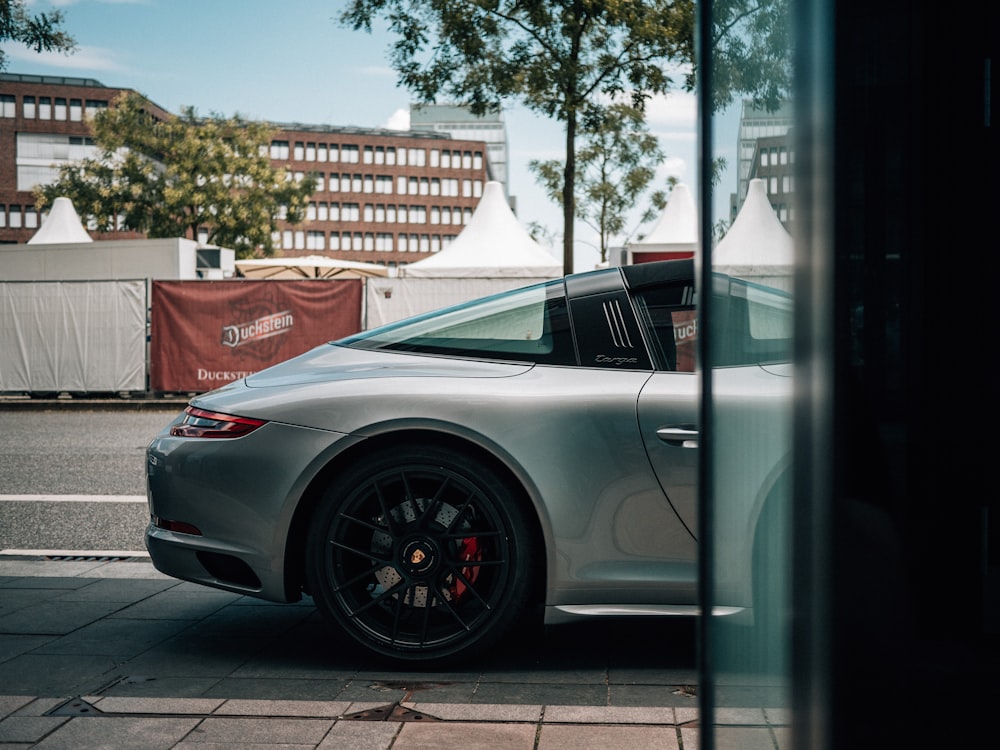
(292, 61)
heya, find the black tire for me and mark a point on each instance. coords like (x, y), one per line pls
(420, 554)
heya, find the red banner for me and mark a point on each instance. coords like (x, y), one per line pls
(204, 334)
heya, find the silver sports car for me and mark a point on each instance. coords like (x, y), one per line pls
(436, 481)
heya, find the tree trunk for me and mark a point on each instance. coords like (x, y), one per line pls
(569, 188)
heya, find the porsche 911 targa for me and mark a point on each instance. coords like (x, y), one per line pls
(433, 482)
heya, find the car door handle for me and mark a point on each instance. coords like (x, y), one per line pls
(684, 436)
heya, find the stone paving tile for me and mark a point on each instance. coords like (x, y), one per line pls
(560, 737)
(118, 590)
(609, 715)
(137, 686)
(11, 703)
(545, 694)
(180, 656)
(362, 735)
(112, 637)
(52, 675)
(247, 731)
(163, 706)
(465, 712)
(468, 736)
(178, 604)
(272, 689)
(29, 728)
(326, 709)
(15, 645)
(55, 617)
(744, 738)
(120, 733)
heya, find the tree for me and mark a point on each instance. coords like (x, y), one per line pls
(41, 32)
(176, 176)
(555, 56)
(615, 163)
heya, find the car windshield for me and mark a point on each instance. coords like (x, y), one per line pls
(528, 324)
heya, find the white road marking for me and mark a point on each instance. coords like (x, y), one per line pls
(73, 498)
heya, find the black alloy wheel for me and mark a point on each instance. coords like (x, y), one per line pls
(420, 554)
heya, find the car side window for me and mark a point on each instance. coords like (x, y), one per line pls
(669, 315)
(524, 325)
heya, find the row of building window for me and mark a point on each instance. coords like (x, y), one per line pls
(775, 156)
(388, 155)
(388, 213)
(18, 217)
(50, 108)
(387, 184)
(378, 242)
(786, 183)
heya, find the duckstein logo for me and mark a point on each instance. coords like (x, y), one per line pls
(264, 327)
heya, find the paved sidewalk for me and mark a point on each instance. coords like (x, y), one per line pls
(110, 653)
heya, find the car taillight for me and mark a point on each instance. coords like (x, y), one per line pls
(209, 424)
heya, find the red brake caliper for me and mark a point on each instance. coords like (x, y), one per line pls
(469, 551)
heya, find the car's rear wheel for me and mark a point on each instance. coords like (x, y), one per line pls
(420, 554)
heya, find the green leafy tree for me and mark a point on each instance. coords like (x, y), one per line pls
(616, 161)
(555, 56)
(41, 32)
(173, 177)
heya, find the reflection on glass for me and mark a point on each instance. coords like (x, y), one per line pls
(748, 368)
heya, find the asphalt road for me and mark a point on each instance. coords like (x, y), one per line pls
(74, 480)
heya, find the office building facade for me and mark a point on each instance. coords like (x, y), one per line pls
(382, 196)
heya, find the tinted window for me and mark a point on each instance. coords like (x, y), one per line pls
(526, 325)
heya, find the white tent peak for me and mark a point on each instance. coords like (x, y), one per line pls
(62, 226)
(492, 244)
(678, 224)
(756, 237)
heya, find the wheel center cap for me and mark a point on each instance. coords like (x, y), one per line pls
(419, 556)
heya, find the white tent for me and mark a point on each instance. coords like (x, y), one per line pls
(308, 267)
(492, 245)
(675, 232)
(757, 247)
(61, 226)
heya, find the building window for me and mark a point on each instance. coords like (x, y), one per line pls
(417, 157)
(786, 183)
(335, 240)
(466, 188)
(435, 243)
(383, 242)
(345, 183)
(321, 152)
(369, 213)
(357, 241)
(299, 152)
(435, 186)
(15, 216)
(435, 157)
(467, 160)
(334, 152)
(435, 215)
(8, 105)
(369, 242)
(311, 212)
(772, 185)
(425, 186)
(390, 155)
(76, 110)
(783, 155)
(446, 159)
(29, 108)
(414, 186)
(3, 215)
(446, 215)
(350, 212)
(477, 188)
(369, 156)
(349, 154)
(369, 184)
(477, 160)
(310, 152)
(383, 184)
(44, 108)
(390, 214)
(279, 150)
(315, 241)
(320, 181)
(401, 185)
(763, 157)
(94, 106)
(60, 110)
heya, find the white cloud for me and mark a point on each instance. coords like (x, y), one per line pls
(398, 120)
(84, 58)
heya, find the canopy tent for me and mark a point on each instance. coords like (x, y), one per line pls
(308, 267)
(492, 245)
(675, 234)
(757, 247)
(62, 226)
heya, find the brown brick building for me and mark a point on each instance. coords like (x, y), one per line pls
(383, 196)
